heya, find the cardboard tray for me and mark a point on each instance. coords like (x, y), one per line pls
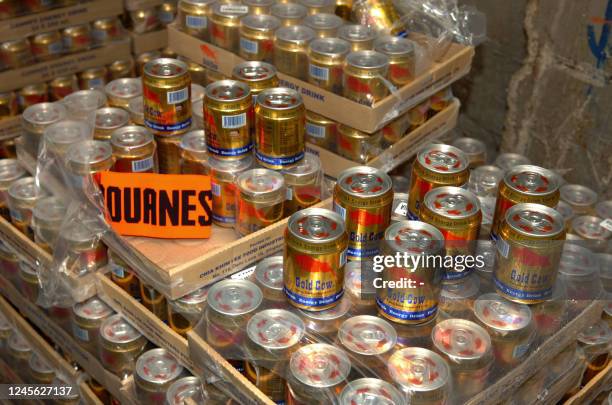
(58, 18)
(455, 65)
(149, 41)
(10, 127)
(66, 65)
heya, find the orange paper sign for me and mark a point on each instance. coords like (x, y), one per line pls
(165, 206)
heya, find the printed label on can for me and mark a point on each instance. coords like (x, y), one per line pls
(234, 9)
(316, 131)
(224, 220)
(230, 152)
(142, 165)
(216, 189)
(249, 46)
(196, 22)
(318, 72)
(402, 209)
(313, 302)
(118, 271)
(80, 333)
(520, 294)
(606, 224)
(179, 96)
(234, 121)
(279, 162)
(168, 128)
(405, 315)
(340, 210)
(412, 216)
(503, 247)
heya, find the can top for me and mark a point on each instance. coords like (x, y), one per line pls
(500, 314)
(197, 92)
(417, 369)
(111, 118)
(253, 71)
(452, 202)
(316, 225)
(269, 272)
(260, 182)
(279, 98)
(89, 152)
(39, 364)
(260, 22)
(596, 334)
(183, 388)
(234, 297)
(371, 391)
(442, 158)
(470, 146)
(589, 227)
(67, 132)
(124, 88)
(367, 335)
(43, 114)
(17, 343)
(136, 105)
(578, 195)
(507, 161)
(305, 171)
(275, 329)
(465, 288)
(165, 68)
(227, 91)
(10, 170)
(297, 34)
(93, 309)
(320, 365)
(364, 182)
(414, 237)
(394, 46)
(323, 21)
(460, 339)
(82, 231)
(234, 11)
(85, 99)
(356, 33)
(116, 329)
(577, 261)
(535, 220)
(604, 209)
(487, 249)
(367, 60)
(194, 141)
(25, 189)
(331, 314)
(131, 137)
(532, 180)
(484, 178)
(230, 166)
(158, 366)
(49, 209)
(358, 282)
(198, 296)
(333, 47)
(566, 210)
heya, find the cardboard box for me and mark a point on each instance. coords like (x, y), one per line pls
(56, 19)
(66, 65)
(455, 65)
(149, 41)
(131, 5)
(10, 127)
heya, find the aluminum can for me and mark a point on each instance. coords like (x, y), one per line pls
(122, 69)
(595, 341)
(144, 20)
(121, 91)
(169, 153)
(422, 375)
(402, 58)
(439, 101)
(326, 58)
(436, 165)
(106, 30)
(167, 97)
(578, 274)
(62, 86)
(507, 161)
(227, 110)
(259, 76)
(134, 150)
(87, 317)
(36, 119)
(524, 184)
(363, 197)
(418, 115)
(260, 200)
(467, 349)
(224, 25)
(154, 373)
(367, 389)
(315, 7)
(580, 198)
(411, 294)
(23, 194)
(89, 158)
(397, 129)
(136, 109)
(193, 17)
(269, 278)
(356, 145)
(186, 388)
(154, 301)
(591, 232)
(19, 352)
(289, 14)
(257, 37)
(361, 37)
(315, 255)
(456, 213)
(28, 283)
(93, 78)
(40, 371)
(325, 25)
(474, 149)
(550, 315)
(144, 58)
(280, 119)
(108, 120)
(290, 54)
(9, 266)
(380, 14)
(32, 94)
(194, 155)
(59, 137)
(85, 252)
(184, 313)
(47, 217)
(9, 106)
(304, 184)
(457, 299)
(223, 176)
(321, 131)
(324, 324)
(123, 275)
(484, 180)
(77, 38)
(603, 209)
(16, 54)
(364, 77)
(10, 171)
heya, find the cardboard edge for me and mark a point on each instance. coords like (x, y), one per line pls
(25, 248)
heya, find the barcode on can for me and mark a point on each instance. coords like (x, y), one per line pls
(319, 73)
(340, 210)
(503, 247)
(249, 46)
(193, 21)
(142, 165)
(233, 121)
(179, 96)
(216, 189)
(316, 131)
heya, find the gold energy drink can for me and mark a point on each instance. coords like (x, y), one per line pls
(402, 58)
(363, 197)
(580, 198)
(326, 58)
(423, 376)
(524, 184)
(88, 158)
(304, 184)
(257, 37)
(484, 180)
(227, 110)
(120, 91)
(315, 254)
(16, 54)
(167, 12)
(143, 59)
(290, 54)
(380, 14)
(87, 317)
(529, 246)
(435, 165)
(33, 94)
(364, 77)
(361, 37)
(259, 76)
(154, 301)
(457, 299)
(193, 17)
(106, 30)
(134, 150)
(315, 7)
(456, 213)
(47, 217)
(85, 251)
(35, 120)
(224, 25)
(167, 97)
(40, 371)
(325, 25)
(10, 171)
(397, 129)
(379, 390)
(77, 38)
(592, 232)
(269, 278)
(62, 86)
(510, 326)
(122, 275)
(321, 131)
(289, 14)
(23, 194)
(186, 388)
(279, 128)
(94, 78)
(474, 149)
(440, 100)
(9, 107)
(194, 155)
(223, 175)
(259, 7)
(409, 291)
(136, 110)
(184, 313)
(122, 69)
(108, 120)
(59, 137)
(507, 161)
(260, 200)
(154, 373)
(144, 20)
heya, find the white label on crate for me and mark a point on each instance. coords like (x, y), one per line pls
(340, 210)
(289, 194)
(316, 131)
(80, 333)
(234, 121)
(196, 22)
(234, 9)
(179, 96)
(606, 224)
(142, 165)
(343, 258)
(216, 189)
(249, 46)
(319, 73)
(402, 209)
(503, 247)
